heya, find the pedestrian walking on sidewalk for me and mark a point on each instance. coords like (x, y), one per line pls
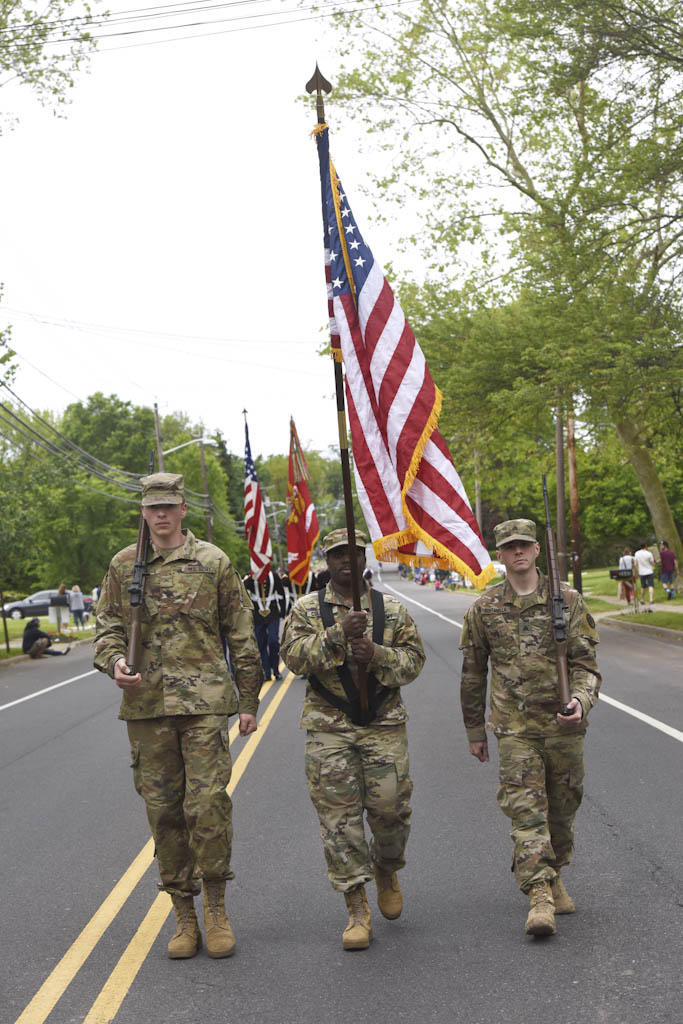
(645, 564)
(669, 569)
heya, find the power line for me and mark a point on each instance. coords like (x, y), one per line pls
(63, 437)
(219, 358)
(82, 325)
(196, 501)
(131, 15)
(245, 28)
(71, 444)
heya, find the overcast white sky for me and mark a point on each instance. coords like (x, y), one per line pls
(179, 200)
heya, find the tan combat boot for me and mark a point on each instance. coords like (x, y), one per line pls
(564, 904)
(541, 919)
(220, 939)
(187, 940)
(389, 897)
(358, 932)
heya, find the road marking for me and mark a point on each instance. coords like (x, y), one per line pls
(39, 693)
(107, 1004)
(57, 982)
(655, 723)
(55, 985)
(419, 605)
(116, 988)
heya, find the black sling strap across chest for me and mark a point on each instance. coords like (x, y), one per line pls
(377, 693)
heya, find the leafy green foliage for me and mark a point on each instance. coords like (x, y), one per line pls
(44, 46)
(547, 168)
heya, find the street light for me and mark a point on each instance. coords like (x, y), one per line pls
(195, 440)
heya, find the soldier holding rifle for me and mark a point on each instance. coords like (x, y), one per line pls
(540, 749)
(164, 608)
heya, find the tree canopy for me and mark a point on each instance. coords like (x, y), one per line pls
(549, 181)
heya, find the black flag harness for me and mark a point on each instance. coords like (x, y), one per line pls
(377, 693)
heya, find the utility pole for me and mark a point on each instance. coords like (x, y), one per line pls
(157, 434)
(559, 472)
(574, 526)
(207, 499)
(477, 491)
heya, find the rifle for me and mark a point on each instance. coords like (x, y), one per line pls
(137, 590)
(556, 609)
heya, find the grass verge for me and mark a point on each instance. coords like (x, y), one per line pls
(594, 604)
(667, 620)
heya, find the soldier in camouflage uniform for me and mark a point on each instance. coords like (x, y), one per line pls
(540, 751)
(355, 764)
(176, 707)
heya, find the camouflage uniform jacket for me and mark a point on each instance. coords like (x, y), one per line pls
(515, 633)
(193, 597)
(308, 648)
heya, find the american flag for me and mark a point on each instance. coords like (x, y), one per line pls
(414, 503)
(255, 525)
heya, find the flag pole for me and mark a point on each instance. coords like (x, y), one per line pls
(319, 84)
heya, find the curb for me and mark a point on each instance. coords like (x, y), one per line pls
(20, 658)
(671, 636)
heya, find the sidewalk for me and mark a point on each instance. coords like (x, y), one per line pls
(672, 636)
(658, 606)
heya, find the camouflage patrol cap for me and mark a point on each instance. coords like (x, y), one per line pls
(339, 538)
(163, 489)
(514, 529)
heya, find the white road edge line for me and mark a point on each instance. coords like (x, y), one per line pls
(654, 722)
(413, 601)
(39, 693)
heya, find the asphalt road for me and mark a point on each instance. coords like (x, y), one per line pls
(80, 927)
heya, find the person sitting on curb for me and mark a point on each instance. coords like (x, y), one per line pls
(36, 643)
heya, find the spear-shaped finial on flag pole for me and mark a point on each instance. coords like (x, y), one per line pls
(319, 84)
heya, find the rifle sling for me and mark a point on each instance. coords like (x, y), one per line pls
(377, 693)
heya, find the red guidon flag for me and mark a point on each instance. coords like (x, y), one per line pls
(414, 503)
(302, 522)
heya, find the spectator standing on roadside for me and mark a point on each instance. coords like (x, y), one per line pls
(626, 586)
(669, 569)
(645, 563)
(77, 606)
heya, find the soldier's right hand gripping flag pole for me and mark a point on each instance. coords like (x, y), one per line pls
(414, 503)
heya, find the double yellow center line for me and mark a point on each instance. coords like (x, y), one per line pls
(114, 991)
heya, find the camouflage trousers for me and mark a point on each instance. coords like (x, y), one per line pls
(363, 769)
(541, 785)
(181, 767)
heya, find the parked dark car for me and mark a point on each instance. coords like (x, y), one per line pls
(37, 604)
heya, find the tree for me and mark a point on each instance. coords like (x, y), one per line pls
(44, 47)
(596, 35)
(588, 223)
